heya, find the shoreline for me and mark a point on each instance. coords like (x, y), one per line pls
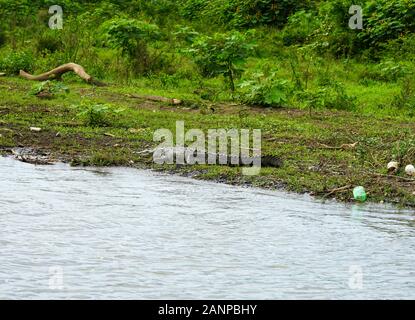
(325, 154)
(187, 172)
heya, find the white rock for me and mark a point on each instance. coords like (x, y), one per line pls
(410, 170)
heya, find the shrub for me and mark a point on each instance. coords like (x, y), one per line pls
(300, 26)
(333, 96)
(243, 13)
(47, 89)
(386, 20)
(221, 54)
(185, 34)
(401, 48)
(96, 115)
(406, 97)
(131, 37)
(387, 71)
(49, 41)
(333, 34)
(16, 61)
(265, 91)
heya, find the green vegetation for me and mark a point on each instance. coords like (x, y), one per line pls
(294, 69)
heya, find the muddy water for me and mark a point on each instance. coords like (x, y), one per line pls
(123, 233)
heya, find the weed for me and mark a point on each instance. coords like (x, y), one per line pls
(96, 115)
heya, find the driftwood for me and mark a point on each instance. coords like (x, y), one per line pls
(59, 71)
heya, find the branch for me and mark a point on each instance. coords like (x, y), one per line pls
(59, 71)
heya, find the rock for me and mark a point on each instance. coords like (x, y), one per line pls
(410, 170)
(393, 166)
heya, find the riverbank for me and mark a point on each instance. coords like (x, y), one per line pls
(325, 154)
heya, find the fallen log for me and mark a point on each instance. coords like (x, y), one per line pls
(59, 71)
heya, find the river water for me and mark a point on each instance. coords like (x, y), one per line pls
(82, 233)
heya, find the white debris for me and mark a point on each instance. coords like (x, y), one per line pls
(410, 170)
(393, 166)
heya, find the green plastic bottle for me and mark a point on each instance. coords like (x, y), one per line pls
(359, 194)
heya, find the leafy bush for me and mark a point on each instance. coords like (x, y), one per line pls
(333, 34)
(169, 81)
(265, 91)
(406, 97)
(333, 96)
(48, 89)
(16, 61)
(131, 37)
(192, 9)
(49, 42)
(386, 20)
(387, 71)
(242, 13)
(185, 34)
(96, 115)
(300, 26)
(221, 54)
(401, 48)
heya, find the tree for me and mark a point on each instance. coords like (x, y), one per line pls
(131, 37)
(221, 54)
